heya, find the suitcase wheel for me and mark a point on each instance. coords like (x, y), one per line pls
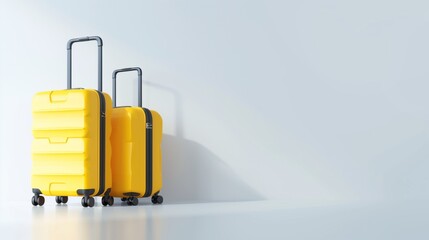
(38, 200)
(88, 201)
(107, 200)
(61, 199)
(157, 199)
(133, 201)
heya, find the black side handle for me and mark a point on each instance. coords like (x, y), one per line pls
(100, 59)
(139, 71)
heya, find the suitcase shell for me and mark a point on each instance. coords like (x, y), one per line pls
(66, 147)
(129, 166)
(136, 149)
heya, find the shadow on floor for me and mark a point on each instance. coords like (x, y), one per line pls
(192, 174)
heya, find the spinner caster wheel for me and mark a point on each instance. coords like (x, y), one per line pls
(107, 200)
(62, 199)
(37, 200)
(157, 199)
(133, 201)
(88, 202)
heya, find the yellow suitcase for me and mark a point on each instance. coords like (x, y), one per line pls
(136, 149)
(71, 149)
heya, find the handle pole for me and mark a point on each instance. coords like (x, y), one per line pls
(139, 71)
(100, 59)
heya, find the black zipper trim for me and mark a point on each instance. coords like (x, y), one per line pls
(149, 157)
(102, 140)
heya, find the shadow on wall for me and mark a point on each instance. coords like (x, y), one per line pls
(192, 173)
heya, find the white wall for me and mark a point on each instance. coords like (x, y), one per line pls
(310, 102)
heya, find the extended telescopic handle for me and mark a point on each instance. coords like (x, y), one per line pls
(100, 59)
(139, 71)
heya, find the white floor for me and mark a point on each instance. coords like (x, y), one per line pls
(237, 220)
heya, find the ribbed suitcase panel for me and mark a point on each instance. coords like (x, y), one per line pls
(65, 148)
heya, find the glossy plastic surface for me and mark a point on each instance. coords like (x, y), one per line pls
(129, 151)
(65, 148)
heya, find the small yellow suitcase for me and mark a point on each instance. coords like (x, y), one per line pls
(136, 149)
(71, 149)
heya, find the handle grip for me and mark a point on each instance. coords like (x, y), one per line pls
(139, 71)
(100, 59)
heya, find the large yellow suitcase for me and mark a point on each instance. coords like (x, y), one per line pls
(136, 149)
(71, 149)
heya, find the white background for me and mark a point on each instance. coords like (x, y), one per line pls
(308, 102)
